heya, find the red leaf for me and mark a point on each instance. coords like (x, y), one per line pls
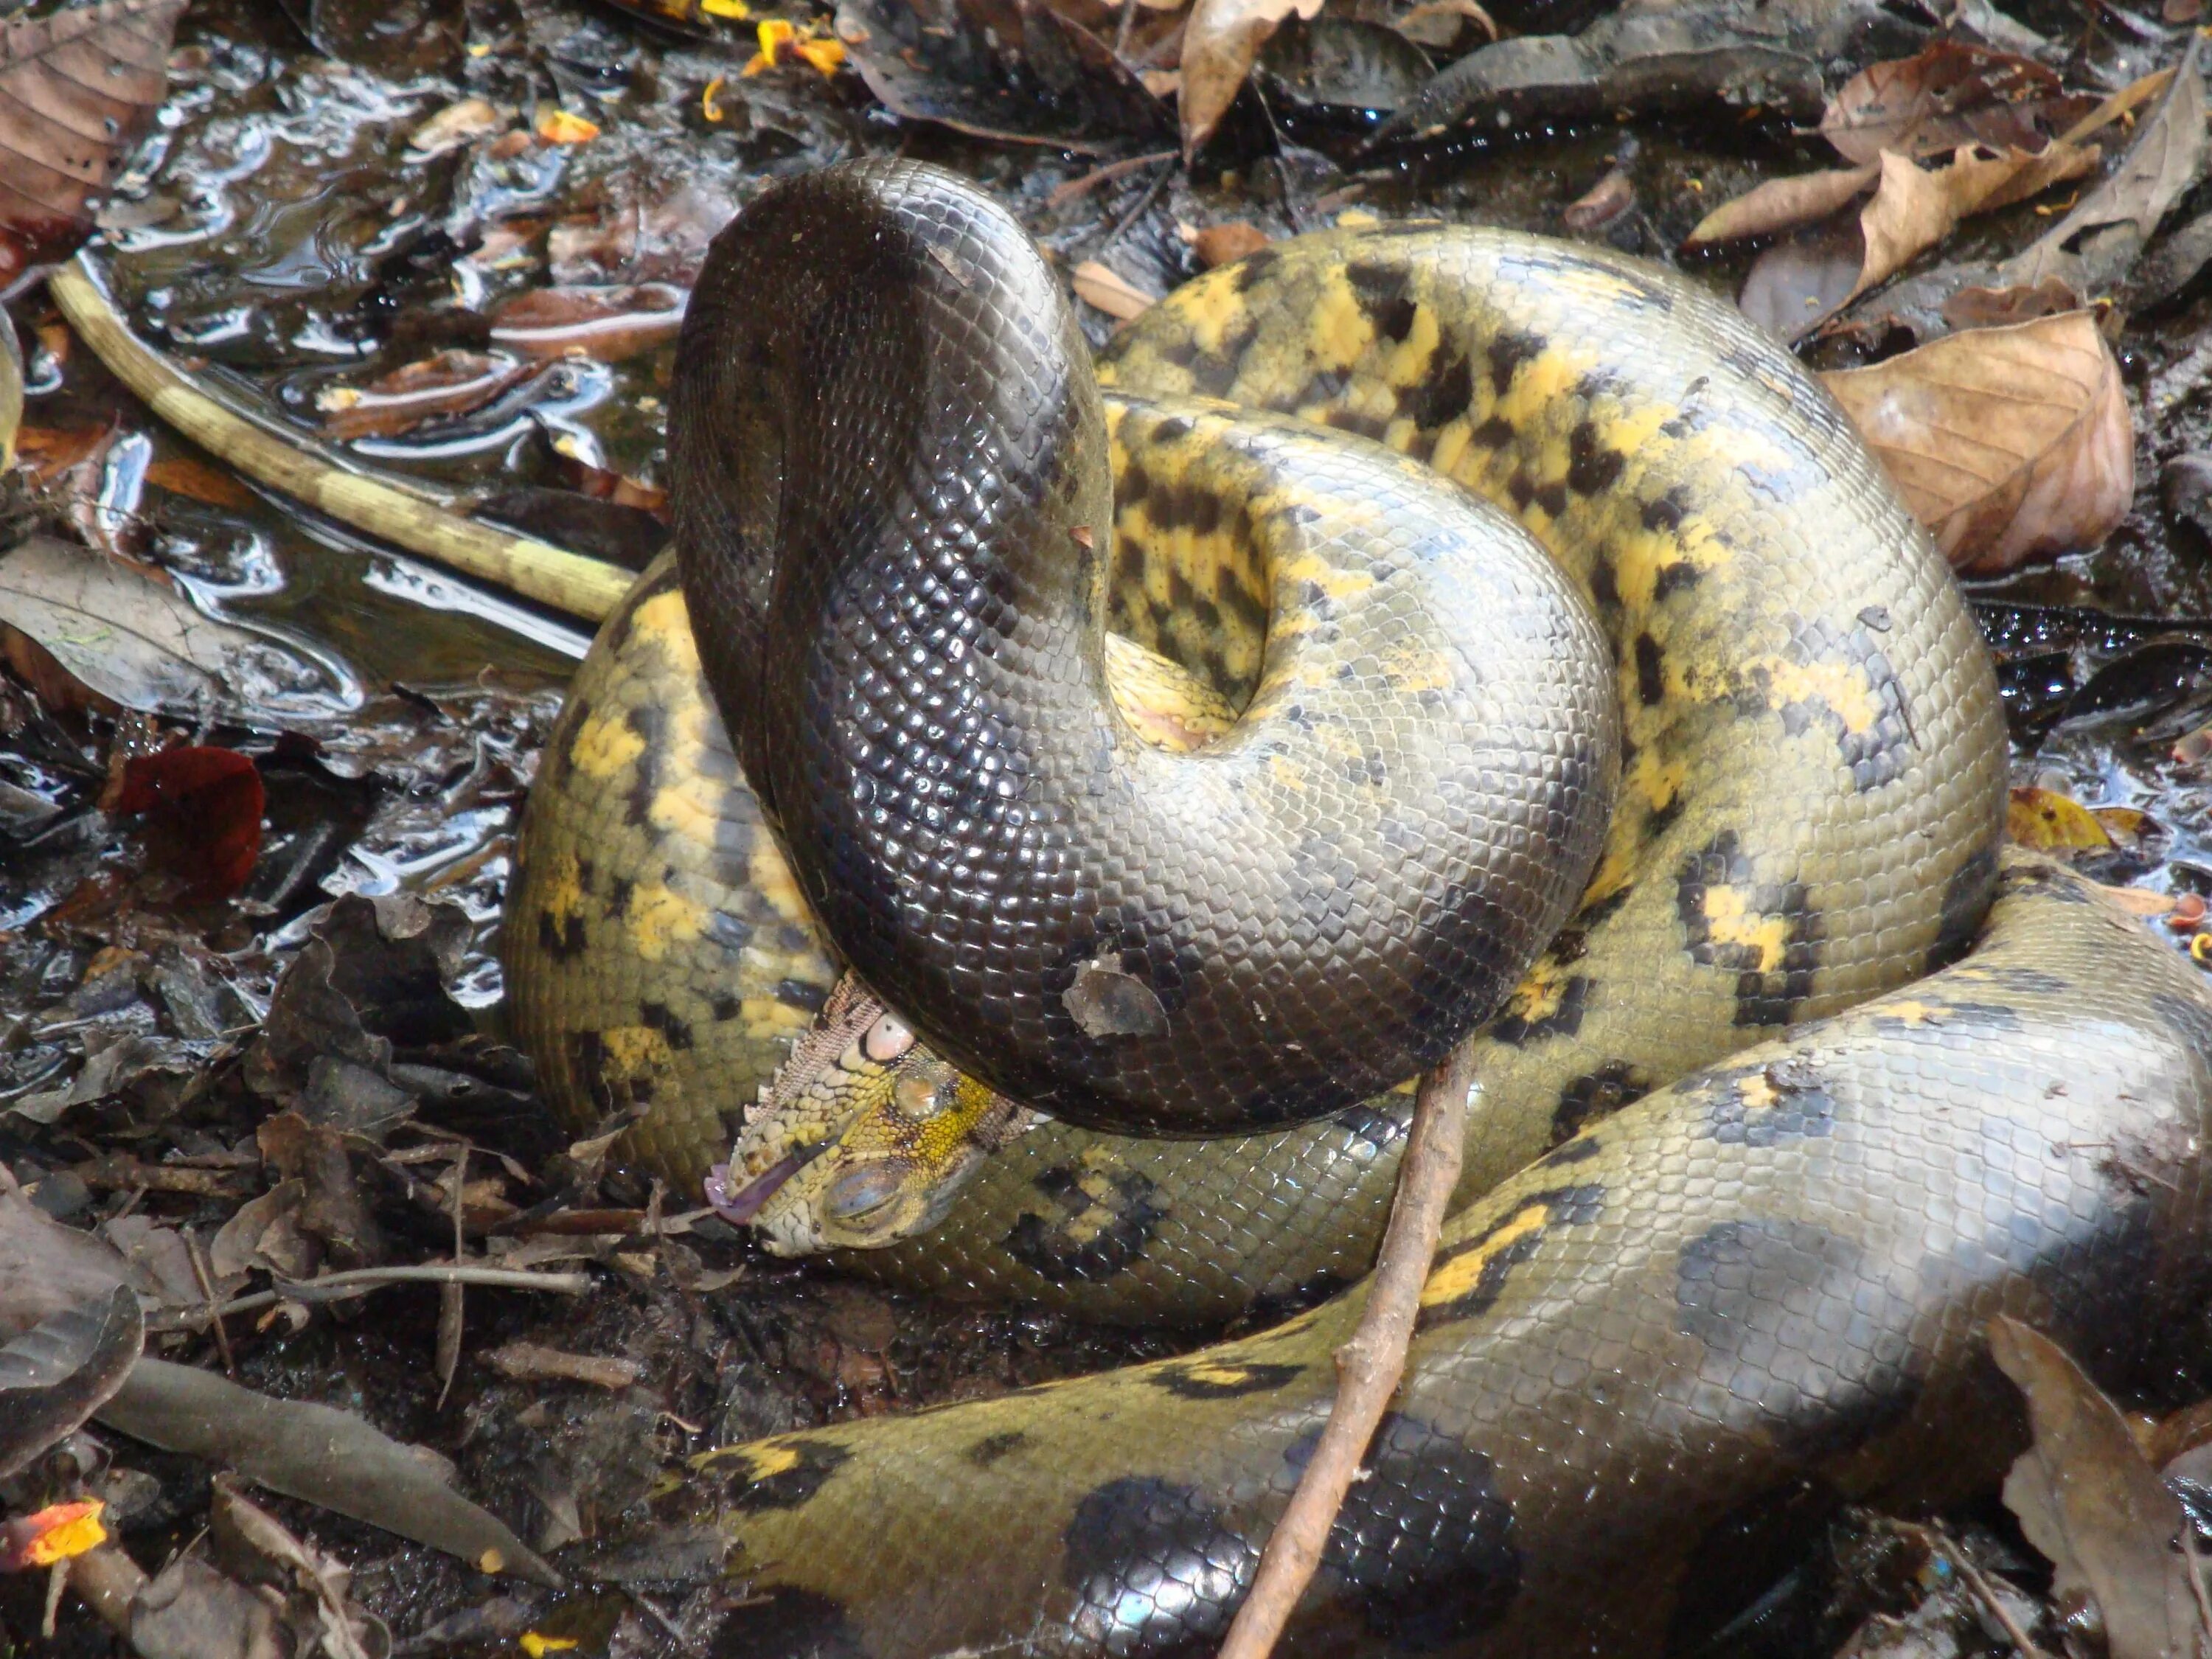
(204, 808)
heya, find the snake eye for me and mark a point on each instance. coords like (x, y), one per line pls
(857, 1193)
(886, 1040)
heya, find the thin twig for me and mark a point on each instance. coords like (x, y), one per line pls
(206, 1277)
(1370, 1364)
(1063, 194)
(1144, 206)
(1937, 1542)
(341, 1287)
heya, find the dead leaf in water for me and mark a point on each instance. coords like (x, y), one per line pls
(1949, 94)
(608, 324)
(2088, 1499)
(2008, 443)
(80, 89)
(1013, 69)
(124, 636)
(203, 807)
(452, 383)
(1220, 44)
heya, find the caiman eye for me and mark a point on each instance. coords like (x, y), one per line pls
(858, 1193)
(886, 1040)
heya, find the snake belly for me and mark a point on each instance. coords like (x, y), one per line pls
(1710, 1287)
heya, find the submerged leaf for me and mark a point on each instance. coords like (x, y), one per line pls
(2008, 443)
(204, 807)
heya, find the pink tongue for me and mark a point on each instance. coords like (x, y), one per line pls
(745, 1204)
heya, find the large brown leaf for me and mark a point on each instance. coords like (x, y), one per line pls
(1219, 46)
(2088, 1498)
(77, 92)
(1914, 207)
(2097, 244)
(2008, 443)
(1949, 94)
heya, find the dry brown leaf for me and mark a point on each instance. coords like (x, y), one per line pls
(1218, 245)
(1220, 44)
(2088, 1498)
(77, 92)
(1781, 205)
(2098, 242)
(1110, 291)
(1999, 307)
(1914, 207)
(2008, 443)
(1950, 93)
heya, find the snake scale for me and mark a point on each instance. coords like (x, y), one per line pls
(1811, 1084)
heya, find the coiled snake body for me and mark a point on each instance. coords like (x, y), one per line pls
(1792, 1108)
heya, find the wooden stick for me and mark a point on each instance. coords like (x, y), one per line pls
(1370, 1363)
(385, 507)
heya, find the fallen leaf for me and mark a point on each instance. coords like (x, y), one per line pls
(47, 1269)
(2095, 245)
(320, 1455)
(2088, 1499)
(1601, 204)
(453, 127)
(1000, 69)
(1111, 292)
(1221, 245)
(451, 383)
(1797, 284)
(1339, 69)
(2008, 443)
(2048, 822)
(1220, 44)
(561, 126)
(81, 88)
(51, 1534)
(204, 806)
(190, 1611)
(1999, 307)
(1950, 93)
(259, 1550)
(783, 42)
(138, 643)
(1780, 204)
(57, 1374)
(183, 475)
(607, 323)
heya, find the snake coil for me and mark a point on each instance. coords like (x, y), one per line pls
(1784, 1113)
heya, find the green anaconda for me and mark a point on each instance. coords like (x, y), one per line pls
(1758, 1163)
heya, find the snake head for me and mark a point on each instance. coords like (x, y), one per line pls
(863, 1139)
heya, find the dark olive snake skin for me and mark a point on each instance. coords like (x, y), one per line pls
(892, 509)
(1764, 1278)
